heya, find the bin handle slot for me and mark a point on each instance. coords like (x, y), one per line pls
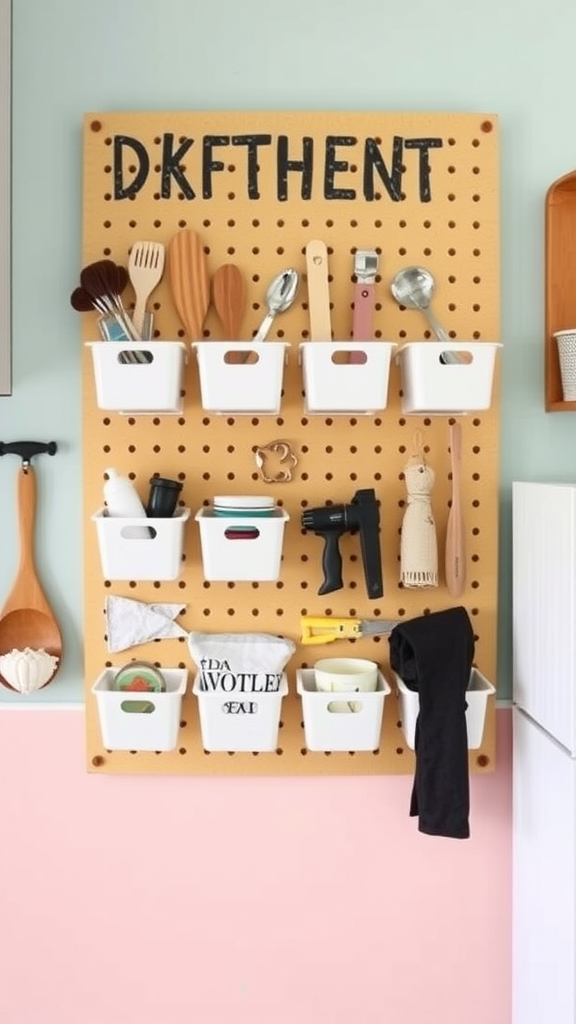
(342, 357)
(241, 533)
(450, 357)
(340, 707)
(137, 707)
(134, 356)
(138, 532)
(248, 358)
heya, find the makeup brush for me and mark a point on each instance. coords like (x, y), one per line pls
(103, 280)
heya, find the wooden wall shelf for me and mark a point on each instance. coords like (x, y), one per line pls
(560, 282)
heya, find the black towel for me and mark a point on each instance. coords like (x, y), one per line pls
(433, 655)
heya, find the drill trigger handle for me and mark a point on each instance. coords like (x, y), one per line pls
(331, 561)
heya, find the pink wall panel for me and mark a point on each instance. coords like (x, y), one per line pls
(234, 901)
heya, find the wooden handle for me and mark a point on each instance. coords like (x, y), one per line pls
(318, 291)
(455, 558)
(26, 499)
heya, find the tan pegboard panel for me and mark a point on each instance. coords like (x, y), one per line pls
(447, 219)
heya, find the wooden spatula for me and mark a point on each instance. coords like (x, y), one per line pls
(229, 297)
(455, 564)
(189, 280)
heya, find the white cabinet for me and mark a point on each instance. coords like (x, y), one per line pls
(5, 161)
(544, 765)
(544, 879)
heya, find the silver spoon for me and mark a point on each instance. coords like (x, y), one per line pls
(413, 287)
(279, 296)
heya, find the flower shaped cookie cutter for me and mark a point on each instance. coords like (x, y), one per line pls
(283, 450)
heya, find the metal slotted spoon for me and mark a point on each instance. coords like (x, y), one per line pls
(145, 267)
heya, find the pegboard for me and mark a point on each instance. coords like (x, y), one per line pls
(437, 205)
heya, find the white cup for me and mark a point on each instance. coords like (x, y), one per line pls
(566, 342)
(346, 675)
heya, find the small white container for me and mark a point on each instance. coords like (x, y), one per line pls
(352, 722)
(256, 556)
(348, 675)
(125, 554)
(239, 721)
(148, 387)
(479, 689)
(333, 384)
(566, 343)
(126, 721)
(230, 385)
(433, 383)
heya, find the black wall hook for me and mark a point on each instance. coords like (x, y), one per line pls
(28, 449)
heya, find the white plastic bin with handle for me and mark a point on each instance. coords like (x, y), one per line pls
(240, 721)
(141, 549)
(134, 720)
(338, 720)
(150, 386)
(479, 689)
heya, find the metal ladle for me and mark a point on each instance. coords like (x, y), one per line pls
(413, 287)
(279, 296)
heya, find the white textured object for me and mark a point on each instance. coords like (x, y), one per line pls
(418, 543)
(566, 342)
(28, 670)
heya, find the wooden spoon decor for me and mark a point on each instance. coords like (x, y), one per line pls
(189, 280)
(229, 298)
(27, 620)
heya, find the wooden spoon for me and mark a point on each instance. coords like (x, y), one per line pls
(189, 280)
(229, 297)
(455, 563)
(27, 620)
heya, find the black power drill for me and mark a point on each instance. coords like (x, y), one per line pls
(362, 515)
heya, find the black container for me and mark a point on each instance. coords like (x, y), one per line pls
(163, 497)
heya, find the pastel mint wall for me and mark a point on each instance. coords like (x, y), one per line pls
(70, 57)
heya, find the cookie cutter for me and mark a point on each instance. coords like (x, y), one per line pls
(286, 453)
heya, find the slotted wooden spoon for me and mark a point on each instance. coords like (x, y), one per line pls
(27, 620)
(189, 280)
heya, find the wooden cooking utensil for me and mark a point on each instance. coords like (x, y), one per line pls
(189, 280)
(455, 560)
(229, 298)
(27, 620)
(318, 291)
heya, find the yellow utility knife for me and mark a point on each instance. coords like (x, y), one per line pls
(319, 630)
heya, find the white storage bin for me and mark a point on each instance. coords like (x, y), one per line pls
(341, 721)
(431, 383)
(147, 387)
(126, 553)
(334, 385)
(240, 721)
(225, 556)
(230, 385)
(479, 689)
(140, 721)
